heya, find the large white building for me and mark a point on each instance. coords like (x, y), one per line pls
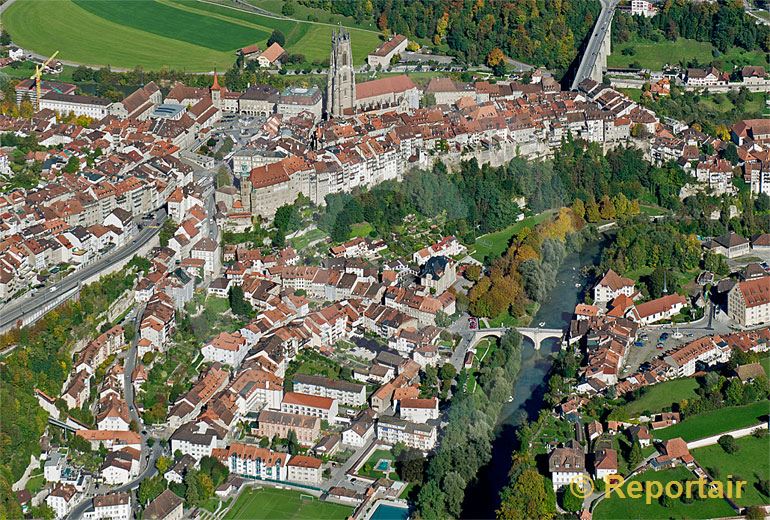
(115, 506)
(611, 286)
(61, 499)
(566, 464)
(93, 107)
(418, 410)
(748, 302)
(352, 394)
(195, 439)
(392, 430)
(252, 461)
(304, 470)
(226, 348)
(312, 405)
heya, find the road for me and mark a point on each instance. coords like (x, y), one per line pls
(14, 311)
(595, 43)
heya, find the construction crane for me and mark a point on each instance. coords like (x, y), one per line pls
(36, 77)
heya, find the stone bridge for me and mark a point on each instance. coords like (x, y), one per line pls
(535, 334)
(593, 63)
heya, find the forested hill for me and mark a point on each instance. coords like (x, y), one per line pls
(540, 32)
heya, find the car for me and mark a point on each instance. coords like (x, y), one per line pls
(664, 336)
(659, 346)
(53, 289)
(639, 343)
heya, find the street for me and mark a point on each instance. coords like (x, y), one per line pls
(15, 311)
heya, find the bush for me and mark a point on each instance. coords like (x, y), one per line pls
(728, 444)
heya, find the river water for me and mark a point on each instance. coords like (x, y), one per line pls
(482, 498)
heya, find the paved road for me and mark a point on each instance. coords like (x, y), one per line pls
(595, 42)
(14, 311)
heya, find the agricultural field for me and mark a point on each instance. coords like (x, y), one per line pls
(614, 507)
(194, 35)
(266, 503)
(717, 421)
(750, 463)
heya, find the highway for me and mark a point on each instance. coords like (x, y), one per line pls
(16, 310)
(595, 43)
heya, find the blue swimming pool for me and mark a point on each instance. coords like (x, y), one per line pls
(388, 512)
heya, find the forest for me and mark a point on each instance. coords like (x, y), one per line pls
(725, 24)
(540, 32)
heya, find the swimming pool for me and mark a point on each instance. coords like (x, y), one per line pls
(388, 512)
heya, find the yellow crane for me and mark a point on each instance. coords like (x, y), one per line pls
(36, 77)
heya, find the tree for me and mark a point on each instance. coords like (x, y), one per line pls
(163, 464)
(454, 487)
(447, 372)
(570, 501)
(755, 513)
(592, 212)
(288, 8)
(527, 498)
(193, 494)
(727, 442)
(292, 443)
(5, 38)
(73, 165)
(238, 302)
(150, 488)
(635, 456)
(442, 319)
(473, 272)
(276, 37)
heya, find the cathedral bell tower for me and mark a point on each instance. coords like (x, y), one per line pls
(341, 82)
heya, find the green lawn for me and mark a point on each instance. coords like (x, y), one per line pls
(303, 12)
(750, 463)
(368, 469)
(269, 504)
(193, 35)
(494, 244)
(659, 396)
(35, 484)
(616, 508)
(653, 55)
(361, 229)
(716, 421)
(302, 241)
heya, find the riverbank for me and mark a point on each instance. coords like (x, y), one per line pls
(482, 498)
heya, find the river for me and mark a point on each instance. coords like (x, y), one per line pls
(482, 498)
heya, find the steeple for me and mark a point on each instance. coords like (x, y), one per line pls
(215, 86)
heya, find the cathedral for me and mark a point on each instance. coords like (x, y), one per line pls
(341, 83)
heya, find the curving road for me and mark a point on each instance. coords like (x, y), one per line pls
(16, 310)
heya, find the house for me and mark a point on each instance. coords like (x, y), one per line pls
(683, 361)
(708, 77)
(166, 506)
(438, 274)
(641, 434)
(730, 245)
(112, 414)
(226, 348)
(605, 463)
(566, 463)
(179, 470)
(611, 286)
(316, 406)
(360, 431)
(61, 499)
(111, 439)
(220, 287)
(113, 506)
(748, 302)
(643, 8)
(120, 467)
(196, 439)
(272, 56)
(673, 452)
(53, 466)
(447, 246)
(304, 470)
(750, 372)
(392, 430)
(594, 429)
(383, 54)
(418, 410)
(663, 308)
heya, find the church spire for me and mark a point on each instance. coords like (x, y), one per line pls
(216, 86)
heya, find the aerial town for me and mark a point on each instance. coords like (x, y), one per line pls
(409, 285)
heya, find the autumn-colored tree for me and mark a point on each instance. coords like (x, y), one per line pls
(495, 57)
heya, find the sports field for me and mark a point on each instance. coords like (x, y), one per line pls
(190, 35)
(271, 503)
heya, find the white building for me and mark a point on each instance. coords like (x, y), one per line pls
(748, 302)
(115, 506)
(392, 430)
(304, 470)
(386, 51)
(352, 394)
(93, 107)
(312, 405)
(418, 410)
(611, 286)
(605, 463)
(226, 348)
(643, 8)
(566, 464)
(196, 440)
(252, 461)
(61, 499)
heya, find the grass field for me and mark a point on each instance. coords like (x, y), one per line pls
(189, 35)
(615, 508)
(494, 244)
(659, 396)
(750, 463)
(653, 55)
(716, 421)
(270, 503)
